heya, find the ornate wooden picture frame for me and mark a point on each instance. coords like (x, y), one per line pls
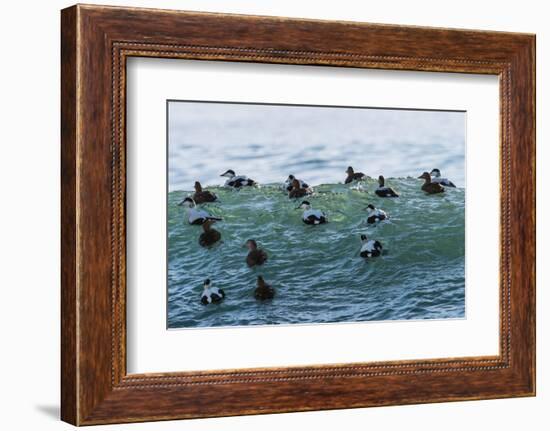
(96, 41)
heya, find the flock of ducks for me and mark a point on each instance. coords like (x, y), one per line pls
(433, 184)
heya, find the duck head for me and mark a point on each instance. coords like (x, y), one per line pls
(370, 208)
(251, 244)
(206, 284)
(363, 238)
(305, 205)
(207, 224)
(187, 202)
(381, 181)
(435, 173)
(198, 187)
(230, 173)
(260, 282)
(425, 176)
(349, 170)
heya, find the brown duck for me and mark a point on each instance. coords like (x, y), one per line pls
(256, 256)
(298, 191)
(263, 291)
(429, 187)
(209, 236)
(353, 176)
(201, 196)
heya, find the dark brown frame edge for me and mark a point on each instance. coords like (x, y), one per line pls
(95, 43)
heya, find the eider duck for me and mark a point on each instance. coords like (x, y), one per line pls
(375, 214)
(370, 248)
(311, 216)
(263, 290)
(297, 190)
(209, 236)
(196, 216)
(429, 187)
(256, 256)
(437, 178)
(201, 196)
(211, 295)
(384, 191)
(288, 185)
(353, 176)
(236, 181)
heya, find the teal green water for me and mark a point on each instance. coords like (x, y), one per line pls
(316, 271)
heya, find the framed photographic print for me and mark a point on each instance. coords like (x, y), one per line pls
(317, 215)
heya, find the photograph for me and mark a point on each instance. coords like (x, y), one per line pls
(301, 214)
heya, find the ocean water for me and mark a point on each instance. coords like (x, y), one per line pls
(269, 142)
(316, 271)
